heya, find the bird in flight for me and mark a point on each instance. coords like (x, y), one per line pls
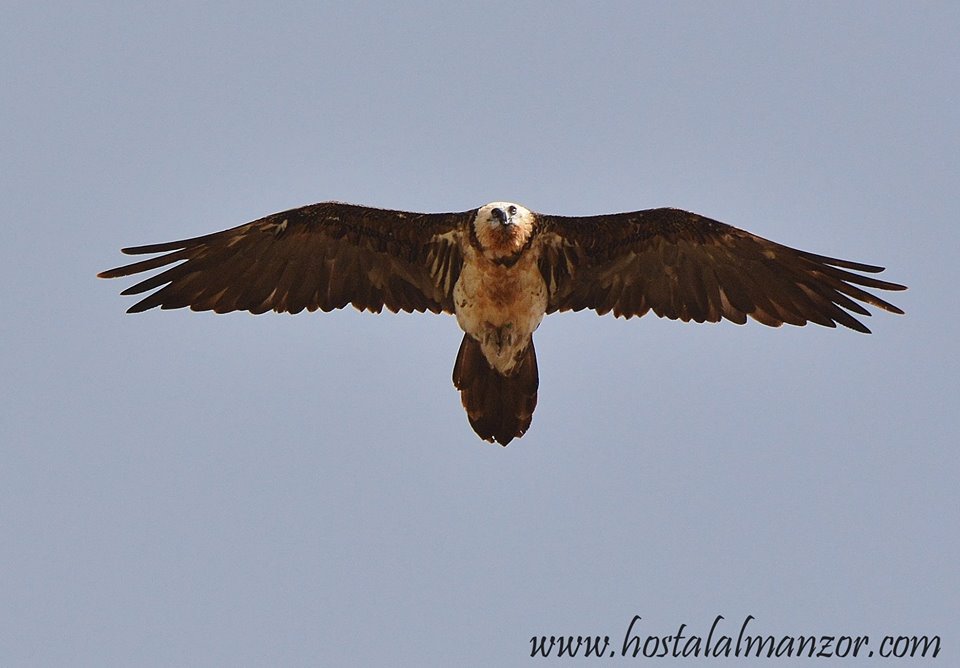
(500, 269)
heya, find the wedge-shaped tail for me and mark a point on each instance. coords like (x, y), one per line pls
(500, 407)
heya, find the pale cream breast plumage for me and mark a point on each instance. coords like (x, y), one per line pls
(500, 305)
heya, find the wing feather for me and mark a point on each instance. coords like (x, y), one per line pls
(688, 267)
(322, 256)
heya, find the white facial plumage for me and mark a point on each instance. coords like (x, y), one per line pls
(503, 228)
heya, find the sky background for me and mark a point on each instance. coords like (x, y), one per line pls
(187, 489)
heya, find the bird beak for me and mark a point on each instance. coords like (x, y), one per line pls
(503, 217)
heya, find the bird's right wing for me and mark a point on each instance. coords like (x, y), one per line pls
(321, 256)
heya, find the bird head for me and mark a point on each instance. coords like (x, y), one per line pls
(503, 228)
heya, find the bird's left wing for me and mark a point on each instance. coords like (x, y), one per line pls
(684, 266)
(324, 256)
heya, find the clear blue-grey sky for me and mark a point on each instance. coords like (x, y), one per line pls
(185, 489)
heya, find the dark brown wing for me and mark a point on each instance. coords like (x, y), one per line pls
(688, 267)
(322, 256)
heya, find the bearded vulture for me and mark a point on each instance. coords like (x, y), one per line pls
(499, 269)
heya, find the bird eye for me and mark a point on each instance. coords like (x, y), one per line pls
(512, 210)
(497, 213)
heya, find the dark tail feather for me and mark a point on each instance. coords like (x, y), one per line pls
(499, 407)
